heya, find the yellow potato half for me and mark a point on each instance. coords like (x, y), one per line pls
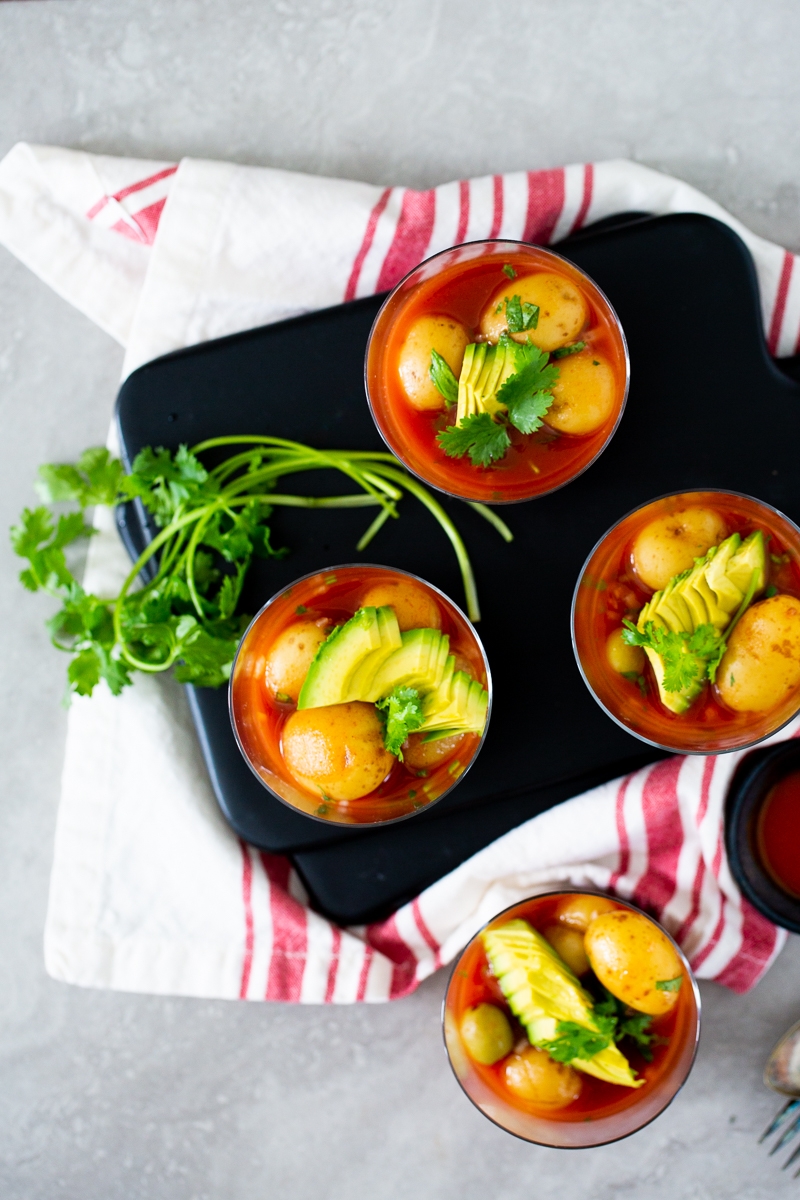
(290, 657)
(761, 667)
(670, 544)
(486, 1033)
(442, 334)
(534, 1076)
(413, 606)
(584, 394)
(622, 658)
(630, 955)
(337, 751)
(568, 945)
(580, 910)
(424, 756)
(562, 310)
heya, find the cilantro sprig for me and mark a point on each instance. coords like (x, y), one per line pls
(401, 712)
(614, 1021)
(521, 315)
(179, 607)
(687, 657)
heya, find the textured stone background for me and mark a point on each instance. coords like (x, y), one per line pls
(105, 1096)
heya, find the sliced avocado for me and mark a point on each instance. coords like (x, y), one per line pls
(728, 595)
(339, 656)
(484, 370)
(415, 664)
(465, 711)
(363, 676)
(670, 605)
(542, 991)
(694, 602)
(717, 616)
(751, 556)
(676, 702)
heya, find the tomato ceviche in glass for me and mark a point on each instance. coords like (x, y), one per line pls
(360, 695)
(686, 621)
(497, 371)
(571, 1010)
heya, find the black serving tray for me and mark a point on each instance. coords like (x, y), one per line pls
(708, 407)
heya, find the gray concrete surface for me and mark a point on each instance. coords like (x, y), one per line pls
(105, 1095)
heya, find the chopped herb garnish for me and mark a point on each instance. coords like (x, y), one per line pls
(576, 1041)
(479, 436)
(283, 698)
(521, 315)
(687, 657)
(509, 271)
(575, 348)
(301, 608)
(402, 712)
(669, 985)
(771, 591)
(443, 378)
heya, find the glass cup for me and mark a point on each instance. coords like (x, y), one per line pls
(458, 284)
(609, 589)
(598, 1116)
(258, 718)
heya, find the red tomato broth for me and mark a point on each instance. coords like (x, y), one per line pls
(259, 718)
(609, 590)
(778, 833)
(535, 464)
(474, 983)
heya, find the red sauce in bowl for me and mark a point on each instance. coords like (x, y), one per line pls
(258, 718)
(458, 284)
(778, 833)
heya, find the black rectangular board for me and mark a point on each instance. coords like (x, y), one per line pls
(708, 407)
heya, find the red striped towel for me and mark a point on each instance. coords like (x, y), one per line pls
(150, 890)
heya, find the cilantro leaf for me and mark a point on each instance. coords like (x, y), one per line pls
(94, 479)
(521, 315)
(575, 1041)
(166, 483)
(402, 712)
(686, 657)
(443, 378)
(509, 271)
(527, 394)
(669, 985)
(484, 439)
(624, 1022)
(564, 351)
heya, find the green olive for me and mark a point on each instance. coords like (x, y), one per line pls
(486, 1033)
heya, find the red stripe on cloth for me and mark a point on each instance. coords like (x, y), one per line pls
(545, 203)
(780, 303)
(463, 211)
(622, 834)
(249, 936)
(759, 937)
(363, 250)
(664, 832)
(289, 933)
(129, 190)
(386, 939)
(701, 957)
(145, 221)
(334, 965)
(497, 212)
(361, 992)
(411, 238)
(427, 936)
(586, 200)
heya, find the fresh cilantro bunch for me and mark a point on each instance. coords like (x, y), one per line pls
(527, 395)
(687, 657)
(401, 712)
(179, 606)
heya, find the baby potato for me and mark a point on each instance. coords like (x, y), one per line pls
(562, 310)
(630, 956)
(534, 1076)
(337, 751)
(584, 394)
(486, 1033)
(580, 910)
(761, 666)
(290, 657)
(425, 756)
(568, 945)
(670, 544)
(442, 334)
(413, 606)
(622, 658)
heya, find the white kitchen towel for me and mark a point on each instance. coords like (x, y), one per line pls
(150, 890)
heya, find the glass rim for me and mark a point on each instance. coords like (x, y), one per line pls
(585, 891)
(357, 825)
(497, 242)
(633, 732)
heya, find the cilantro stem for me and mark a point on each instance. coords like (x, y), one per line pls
(377, 524)
(489, 515)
